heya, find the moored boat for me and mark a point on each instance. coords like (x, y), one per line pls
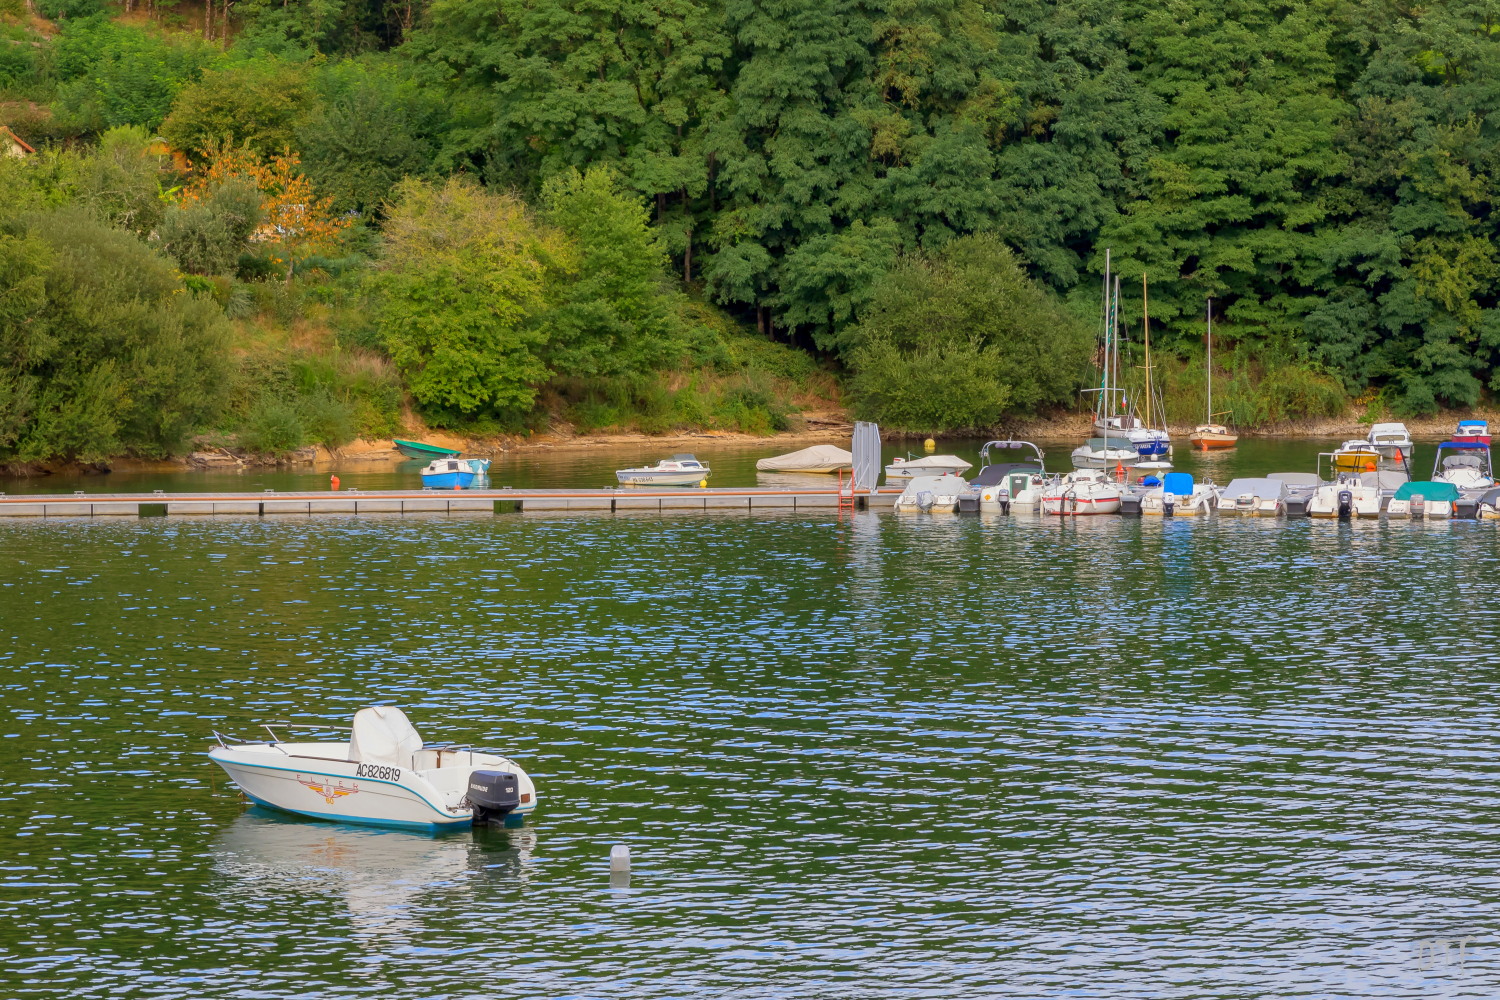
(416, 449)
(1082, 492)
(820, 459)
(902, 469)
(1392, 441)
(1253, 497)
(383, 776)
(679, 470)
(1489, 506)
(1356, 455)
(932, 494)
(1178, 496)
(1209, 436)
(1349, 496)
(1472, 432)
(1106, 453)
(1212, 437)
(1005, 485)
(449, 474)
(1467, 465)
(1423, 499)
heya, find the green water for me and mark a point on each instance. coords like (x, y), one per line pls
(873, 757)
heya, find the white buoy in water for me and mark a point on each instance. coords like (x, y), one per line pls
(619, 859)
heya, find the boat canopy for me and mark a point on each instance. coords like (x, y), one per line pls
(1296, 478)
(1427, 491)
(1473, 423)
(1178, 484)
(937, 462)
(383, 735)
(992, 475)
(1462, 461)
(1386, 480)
(1492, 498)
(818, 458)
(936, 485)
(1464, 445)
(984, 449)
(1261, 489)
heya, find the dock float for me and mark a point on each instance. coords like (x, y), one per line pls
(493, 501)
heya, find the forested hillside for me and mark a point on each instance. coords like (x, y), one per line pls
(677, 213)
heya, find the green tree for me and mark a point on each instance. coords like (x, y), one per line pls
(113, 74)
(959, 339)
(102, 351)
(464, 273)
(207, 235)
(259, 105)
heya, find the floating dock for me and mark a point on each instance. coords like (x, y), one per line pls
(496, 501)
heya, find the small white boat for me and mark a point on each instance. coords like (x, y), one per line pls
(1391, 440)
(1254, 497)
(1179, 496)
(1082, 492)
(932, 494)
(1106, 453)
(383, 776)
(903, 469)
(679, 470)
(1002, 486)
(451, 474)
(820, 458)
(1467, 465)
(1489, 506)
(1350, 496)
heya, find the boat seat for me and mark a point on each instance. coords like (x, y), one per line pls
(383, 735)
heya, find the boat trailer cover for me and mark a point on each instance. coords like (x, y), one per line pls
(383, 735)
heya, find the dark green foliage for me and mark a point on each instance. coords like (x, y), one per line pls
(102, 351)
(59, 10)
(959, 339)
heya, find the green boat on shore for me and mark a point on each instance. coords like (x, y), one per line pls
(416, 449)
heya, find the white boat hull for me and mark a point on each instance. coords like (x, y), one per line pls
(1420, 508)
(310, 780)
(1154, 504)
(1252, 508)
(634, 478)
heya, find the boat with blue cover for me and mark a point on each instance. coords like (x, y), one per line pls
(1179, 496)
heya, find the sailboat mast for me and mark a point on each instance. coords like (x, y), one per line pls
(1102, 410)
(1119, 323)
(1208, 369)
(1146, 332)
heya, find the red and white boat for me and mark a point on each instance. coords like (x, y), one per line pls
(1474, 432)
(1085, 491)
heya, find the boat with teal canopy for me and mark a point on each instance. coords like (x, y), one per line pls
(416, 449)
(1423, 498)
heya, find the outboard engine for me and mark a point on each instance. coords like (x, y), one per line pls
(1003, 498)
(1346, 504)
(925, 500)
(493, 794)
(1167, 505)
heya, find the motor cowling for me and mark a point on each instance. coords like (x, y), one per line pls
(493, 794)
(1003, 496)
(1346, 503)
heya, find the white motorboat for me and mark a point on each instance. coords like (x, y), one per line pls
(932, 494)
(1488, 508)
(1084, 491)
(1423, 499)
(1254, 497)
(1106, 453)
(1467, 465)
(679, 470)
(1005, 485)
(383, 776)
(1351, 495)
(903, 469)
(1391, 440)
(1179, 496)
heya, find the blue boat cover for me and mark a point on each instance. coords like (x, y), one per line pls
(1472, 423)
(1466, 445)
(1178, 484)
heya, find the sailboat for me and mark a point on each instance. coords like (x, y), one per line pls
(1154, 444)
(1209, 435)
(1113, 449)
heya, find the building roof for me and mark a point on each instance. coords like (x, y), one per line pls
(7, 133)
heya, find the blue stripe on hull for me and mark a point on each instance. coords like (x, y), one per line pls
(357, 820)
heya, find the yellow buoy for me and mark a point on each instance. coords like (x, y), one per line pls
(703, 484)
(929, 445)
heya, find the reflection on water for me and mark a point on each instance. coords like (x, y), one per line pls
(869, 757)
